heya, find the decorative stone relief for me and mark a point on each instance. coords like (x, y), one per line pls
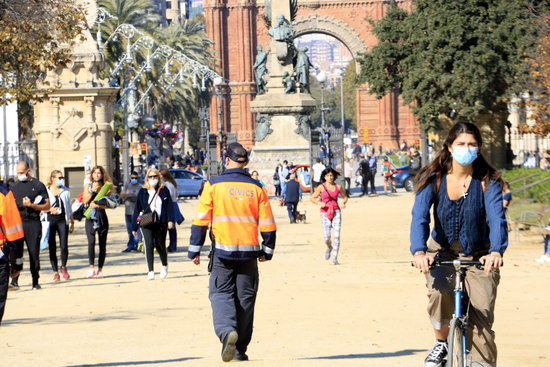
(263, 126)
(303, 123)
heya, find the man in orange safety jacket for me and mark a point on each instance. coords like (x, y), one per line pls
(238, 208)
(11, 242)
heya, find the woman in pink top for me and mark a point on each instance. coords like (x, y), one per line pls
(331, 217)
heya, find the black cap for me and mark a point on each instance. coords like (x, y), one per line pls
(237, 153)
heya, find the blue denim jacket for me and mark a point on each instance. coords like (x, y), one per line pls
(476, 221)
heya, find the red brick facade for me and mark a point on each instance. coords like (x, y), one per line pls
(237, 27)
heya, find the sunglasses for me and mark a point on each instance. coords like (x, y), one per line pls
(153, 176)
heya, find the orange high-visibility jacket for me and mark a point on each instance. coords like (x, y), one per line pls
(10, 221)
(238, 208)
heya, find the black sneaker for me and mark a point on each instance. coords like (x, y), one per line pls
(127, 250)
(36, 286)
(13, 286)
(240, 356)
(229, 348)
(436, 355)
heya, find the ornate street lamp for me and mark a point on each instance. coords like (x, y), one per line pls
(322, 78)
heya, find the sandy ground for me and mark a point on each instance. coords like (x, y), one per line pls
(368, 311)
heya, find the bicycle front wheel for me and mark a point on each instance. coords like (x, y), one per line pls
(455, 343)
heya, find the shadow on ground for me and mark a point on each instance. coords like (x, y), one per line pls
(398, 353)
(134, 363)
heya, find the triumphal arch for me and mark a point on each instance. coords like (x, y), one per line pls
(237, 28)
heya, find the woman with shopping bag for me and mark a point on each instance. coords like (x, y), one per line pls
(154, 216)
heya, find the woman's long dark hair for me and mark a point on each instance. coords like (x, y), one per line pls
(167, 176)
(443, 161)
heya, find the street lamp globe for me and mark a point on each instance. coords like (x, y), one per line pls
(321, 77)
(218, 81)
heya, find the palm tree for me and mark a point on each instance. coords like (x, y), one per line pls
(179, 104)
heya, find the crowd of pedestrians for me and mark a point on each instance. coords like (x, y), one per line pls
(234, 208)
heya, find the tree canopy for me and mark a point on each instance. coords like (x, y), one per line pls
(454, 58)
(539, 77)
(332, 99)
(178, 105)
(35, 36)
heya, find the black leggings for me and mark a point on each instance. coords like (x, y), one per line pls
(63, 229)
(33, 233)
(102, 237)
(155, 238)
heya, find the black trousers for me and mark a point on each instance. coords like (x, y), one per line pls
(347, 184)
(364, 183)
(232, 292)
(102, 232)
(291, 209)
(371, 180)
(154, 237)
(4, 279)
(62, 229)
(33, 234)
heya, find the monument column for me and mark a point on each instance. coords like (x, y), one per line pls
(284, 105)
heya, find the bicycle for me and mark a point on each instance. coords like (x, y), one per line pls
(456, 341)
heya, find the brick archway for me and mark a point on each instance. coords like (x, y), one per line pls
(316, 23)
(237, 27)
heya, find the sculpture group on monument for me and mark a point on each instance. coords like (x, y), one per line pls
(287, 53)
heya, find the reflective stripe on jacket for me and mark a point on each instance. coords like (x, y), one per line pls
(238, 207)
(10, 219)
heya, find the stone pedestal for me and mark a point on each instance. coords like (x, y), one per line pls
(288, 140)
(76, 120)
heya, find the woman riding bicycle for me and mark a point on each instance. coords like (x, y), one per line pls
(469, 223)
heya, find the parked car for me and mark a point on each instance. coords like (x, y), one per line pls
(403, 178)
(189, 182)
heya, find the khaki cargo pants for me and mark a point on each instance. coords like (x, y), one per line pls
(482, 290)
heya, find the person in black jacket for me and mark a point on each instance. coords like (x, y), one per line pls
(154, 197)
(292, 196)
(365, 172)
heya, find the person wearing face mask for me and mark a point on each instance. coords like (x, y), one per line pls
(98, 223)
(465, 192)
(154, 197)
(129, 195)
(59, 217)
(31, 197)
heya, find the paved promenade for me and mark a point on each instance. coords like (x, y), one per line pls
(368, 311)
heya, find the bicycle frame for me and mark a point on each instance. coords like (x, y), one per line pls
(458, 313)
(459, 321)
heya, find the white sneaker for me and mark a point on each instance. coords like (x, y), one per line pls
(164, 272)
(90, 273)
(543, 259)
(151, 275)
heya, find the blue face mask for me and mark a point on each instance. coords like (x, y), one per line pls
(60, 182)
(133, 181)
(464, 155)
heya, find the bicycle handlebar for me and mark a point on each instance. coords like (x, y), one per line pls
(452, 262)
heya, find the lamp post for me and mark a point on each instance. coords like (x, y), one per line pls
(125, 142)
(322, 78)
(218, 81)
(341, 73)
(204, 115)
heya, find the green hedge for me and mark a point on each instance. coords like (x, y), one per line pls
(539, 192)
